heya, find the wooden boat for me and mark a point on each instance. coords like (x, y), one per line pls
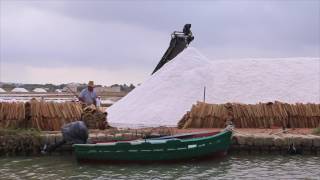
(168, 148)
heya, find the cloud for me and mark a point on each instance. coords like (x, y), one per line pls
(131, 36)
(58, 75)
(43, 38)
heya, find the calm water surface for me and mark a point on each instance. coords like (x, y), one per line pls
(230, 167)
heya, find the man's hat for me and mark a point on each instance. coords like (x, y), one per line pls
(91, 84)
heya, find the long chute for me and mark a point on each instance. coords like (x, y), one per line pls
(179, 41)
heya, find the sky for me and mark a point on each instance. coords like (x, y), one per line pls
(57, 41)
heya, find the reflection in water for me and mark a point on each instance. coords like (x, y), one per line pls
(233, 166)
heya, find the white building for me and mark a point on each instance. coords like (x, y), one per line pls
(19, 90)
(58, 91)
(39, 90)
(107, 89)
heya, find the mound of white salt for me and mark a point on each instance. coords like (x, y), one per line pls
(166, 96)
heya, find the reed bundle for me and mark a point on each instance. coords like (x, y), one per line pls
(11, 114)
(95, 118)
(52, 115)
(262, 115)
(40, 115)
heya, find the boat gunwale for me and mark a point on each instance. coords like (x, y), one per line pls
(147, 141)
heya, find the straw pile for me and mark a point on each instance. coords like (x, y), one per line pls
(94, 118)
(40, 115)
(262, 115)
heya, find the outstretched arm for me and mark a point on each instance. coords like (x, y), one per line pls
(81, 96)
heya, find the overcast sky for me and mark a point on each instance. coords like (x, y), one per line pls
(58, 41)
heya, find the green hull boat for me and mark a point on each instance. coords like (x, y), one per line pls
(170, 148)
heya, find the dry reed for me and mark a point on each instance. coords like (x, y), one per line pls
(262, 115)
(40, 115)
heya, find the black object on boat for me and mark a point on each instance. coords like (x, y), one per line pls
(74, 133)
(179, 41)
(292, 150)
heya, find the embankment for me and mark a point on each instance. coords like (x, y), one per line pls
(254, 141)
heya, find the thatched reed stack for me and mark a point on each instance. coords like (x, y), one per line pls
(11, 114)
(52, 115)
(40, 115)
(262, 115)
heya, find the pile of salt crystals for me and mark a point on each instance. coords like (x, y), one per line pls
(167, 95)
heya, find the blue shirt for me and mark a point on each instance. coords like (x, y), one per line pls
(87, 96)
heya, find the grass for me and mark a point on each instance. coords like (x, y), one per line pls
(19, 132)
(316, 131)
(19, 141)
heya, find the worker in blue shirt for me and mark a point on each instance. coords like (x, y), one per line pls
(88, 95)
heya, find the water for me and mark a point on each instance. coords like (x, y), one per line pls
(230, 167)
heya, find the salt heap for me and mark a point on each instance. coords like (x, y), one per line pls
(166, 96)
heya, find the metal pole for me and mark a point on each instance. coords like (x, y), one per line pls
(204, 94)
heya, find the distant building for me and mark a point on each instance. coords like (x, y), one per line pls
(107, 89)
(2, 90)
(20, 90)
(58, 91)
(71, 88)
(39, 90)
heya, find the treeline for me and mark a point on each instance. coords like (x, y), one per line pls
(52, 87)
(30, 87)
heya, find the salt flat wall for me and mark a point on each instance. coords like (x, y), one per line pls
(262, 115)
(168, 94)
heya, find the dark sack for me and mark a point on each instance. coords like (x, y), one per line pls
(75, 132)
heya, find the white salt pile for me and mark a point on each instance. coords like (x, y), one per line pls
(166, 96)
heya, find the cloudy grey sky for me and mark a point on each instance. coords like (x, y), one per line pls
(58, 41)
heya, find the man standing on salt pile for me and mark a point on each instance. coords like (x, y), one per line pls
(88, 95)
